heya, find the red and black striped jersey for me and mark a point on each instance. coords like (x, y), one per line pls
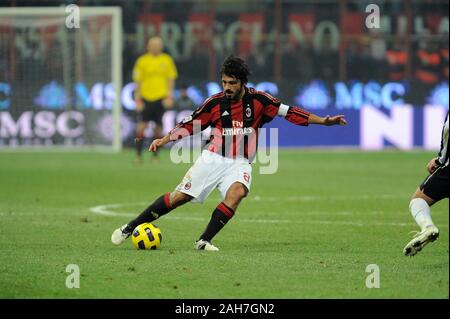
(235, 125)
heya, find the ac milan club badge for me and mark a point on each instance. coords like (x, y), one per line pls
(248, 112)
(187, 185)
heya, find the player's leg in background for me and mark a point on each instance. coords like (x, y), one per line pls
(157, 113)
(157, 134)
(161, 206)
(139, 140)
(225, 210)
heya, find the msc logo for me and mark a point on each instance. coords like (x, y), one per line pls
(52, 96)
(44, 124)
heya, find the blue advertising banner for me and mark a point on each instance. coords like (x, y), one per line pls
(379, 115)
(404, 127)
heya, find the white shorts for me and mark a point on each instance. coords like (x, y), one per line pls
(211, 170)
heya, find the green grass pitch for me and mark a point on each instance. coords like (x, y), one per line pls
(308, 231)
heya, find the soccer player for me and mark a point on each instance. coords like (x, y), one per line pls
(234, 115)
(433, 189)
(154, 75)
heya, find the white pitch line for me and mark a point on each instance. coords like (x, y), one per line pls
(105, 210)
(307, 198)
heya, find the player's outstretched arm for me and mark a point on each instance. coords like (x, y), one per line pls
(327, 120)
(160, 142)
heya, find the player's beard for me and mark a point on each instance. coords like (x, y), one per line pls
(236, 96)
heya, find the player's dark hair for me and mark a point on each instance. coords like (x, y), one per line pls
(235, 67)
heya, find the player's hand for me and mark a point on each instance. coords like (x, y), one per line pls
(431, 166)
(155, 145)
(334, 120)
(159, 142)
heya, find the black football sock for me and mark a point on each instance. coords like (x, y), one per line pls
(221, 215)
(160, 207)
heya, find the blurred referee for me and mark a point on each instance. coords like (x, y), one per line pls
(154, 75)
